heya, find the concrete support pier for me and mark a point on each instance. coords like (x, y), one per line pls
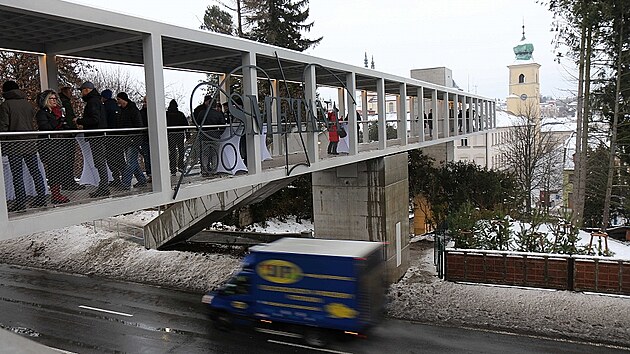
(366, 201)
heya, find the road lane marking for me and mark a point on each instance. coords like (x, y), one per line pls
(307, 347)
(103, 310)
(278, 333)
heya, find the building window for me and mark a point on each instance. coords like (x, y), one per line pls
(390, 107)
(521, 79)
(464, 142)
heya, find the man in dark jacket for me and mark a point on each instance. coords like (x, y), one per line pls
(17, 115)
(115, 154)
(70, 146)
(206, 115)
(130, 118)
(175, 118)
(94, 117)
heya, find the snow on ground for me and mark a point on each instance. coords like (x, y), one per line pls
(418, 296)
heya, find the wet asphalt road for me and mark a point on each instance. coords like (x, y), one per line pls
(91, 315)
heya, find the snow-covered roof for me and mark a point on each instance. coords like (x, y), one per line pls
(505, 119)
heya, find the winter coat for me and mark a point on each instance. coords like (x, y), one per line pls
(175, 118)
(213, 117)
(17, 114)
(94, 115)
(66, 103)
(48, 121)
(130, 118)
(112, 111)
(333, 137)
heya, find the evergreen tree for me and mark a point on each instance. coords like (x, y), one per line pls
(281, 23)
(217, 20)
(595, 186)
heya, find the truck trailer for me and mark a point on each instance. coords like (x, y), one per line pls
(312, 287)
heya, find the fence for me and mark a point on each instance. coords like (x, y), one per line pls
(553, 271)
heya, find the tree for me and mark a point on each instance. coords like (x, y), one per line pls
(597, 172)
(610, 98)
(531, 153)
(449, 187)
(281, 23)
(23, 68)
(217, 20)
(117, 79)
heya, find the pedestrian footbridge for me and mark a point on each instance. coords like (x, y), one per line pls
(279, 131)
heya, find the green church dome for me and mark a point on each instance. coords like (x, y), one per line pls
(523, 50)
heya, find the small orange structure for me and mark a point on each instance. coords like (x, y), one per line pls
(421, 216)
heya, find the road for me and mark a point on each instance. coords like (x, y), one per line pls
(92, 315)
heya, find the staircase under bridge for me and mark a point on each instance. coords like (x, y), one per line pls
(183, 220)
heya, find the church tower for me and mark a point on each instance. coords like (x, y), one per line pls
(524, 94)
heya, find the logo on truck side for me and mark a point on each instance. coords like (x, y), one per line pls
(278, 271)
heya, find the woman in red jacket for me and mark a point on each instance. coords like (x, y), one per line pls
(333, 136)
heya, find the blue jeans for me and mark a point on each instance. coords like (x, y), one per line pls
(133, 167)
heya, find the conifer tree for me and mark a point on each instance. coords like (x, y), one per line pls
(217, 20)
(282, 23)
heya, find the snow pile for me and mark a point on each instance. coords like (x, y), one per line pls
(82, 250)
(418, 296)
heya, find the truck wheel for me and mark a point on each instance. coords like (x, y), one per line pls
(223, 321)
(315, 337)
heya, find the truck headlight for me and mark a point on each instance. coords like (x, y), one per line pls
(206, 299)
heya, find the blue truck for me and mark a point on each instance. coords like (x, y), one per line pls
(309, 287)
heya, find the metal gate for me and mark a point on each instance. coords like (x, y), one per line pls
(439, 245)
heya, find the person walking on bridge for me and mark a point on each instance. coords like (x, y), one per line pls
(17, 115)
(130, 118)
(175, 118)
(94, 117)
(53, 146)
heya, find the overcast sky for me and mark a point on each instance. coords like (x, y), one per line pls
(474, 38)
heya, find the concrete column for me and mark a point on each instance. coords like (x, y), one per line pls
(421, 122)
(277, 148)
(224, 83)
(366, 201)
(364, 116)
(382, 116)
(48, 73)
(252, 137)
(364, 104)
(158, 138)
(456, 123)
(445, 126)
(475, 114)
(341, 102)
(402, 114)
(486, 106)
(310, 93)
(353, 133)
(413, 117)
(469, 122)
(434, 107)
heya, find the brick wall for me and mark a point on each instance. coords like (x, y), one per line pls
(551, 271)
